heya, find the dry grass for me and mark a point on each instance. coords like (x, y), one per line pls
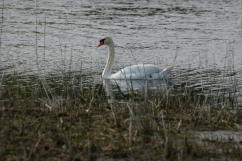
(45, 120)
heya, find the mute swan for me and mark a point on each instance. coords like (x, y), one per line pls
(133, 77)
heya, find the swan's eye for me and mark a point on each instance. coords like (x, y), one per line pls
(102, 41)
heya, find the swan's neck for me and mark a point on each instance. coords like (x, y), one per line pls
(108, 67)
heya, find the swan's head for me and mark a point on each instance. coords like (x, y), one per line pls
(105, 41)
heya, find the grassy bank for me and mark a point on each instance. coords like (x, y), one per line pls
(63, 118)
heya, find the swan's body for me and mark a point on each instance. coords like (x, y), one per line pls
(134, 77)
(139, 71)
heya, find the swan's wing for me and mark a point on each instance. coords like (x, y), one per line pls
(141, 71)
(137, 77)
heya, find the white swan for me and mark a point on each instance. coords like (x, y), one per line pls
(134, 77)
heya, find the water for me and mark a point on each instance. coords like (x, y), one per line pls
(225, 136)
(185, 33)
(196, 37)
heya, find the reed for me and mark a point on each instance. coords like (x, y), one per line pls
(71, 116)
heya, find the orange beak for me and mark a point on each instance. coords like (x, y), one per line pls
(100, 44)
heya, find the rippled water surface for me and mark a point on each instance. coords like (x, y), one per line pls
(200, 38)
(182, 32)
